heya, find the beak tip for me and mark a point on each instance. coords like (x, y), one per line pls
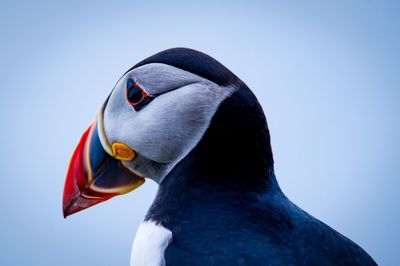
(66, 211)
(80, 203)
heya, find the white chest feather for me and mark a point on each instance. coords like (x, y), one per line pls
(149, 245)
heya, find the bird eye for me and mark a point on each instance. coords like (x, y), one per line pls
(136, 96)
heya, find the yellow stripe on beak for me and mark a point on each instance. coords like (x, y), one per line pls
(102, 134)
(118, 150)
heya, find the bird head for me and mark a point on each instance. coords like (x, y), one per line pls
(155, 115)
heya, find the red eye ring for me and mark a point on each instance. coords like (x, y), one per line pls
(137, 96)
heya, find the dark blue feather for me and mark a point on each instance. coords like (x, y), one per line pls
(222, 201)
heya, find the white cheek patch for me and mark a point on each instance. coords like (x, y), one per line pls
(149, 245)
(169, 127)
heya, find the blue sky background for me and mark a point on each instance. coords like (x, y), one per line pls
(325, 72)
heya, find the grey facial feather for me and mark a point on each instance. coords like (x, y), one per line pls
(158, 78)
(170, 126)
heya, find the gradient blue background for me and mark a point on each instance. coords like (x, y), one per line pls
(325, 72)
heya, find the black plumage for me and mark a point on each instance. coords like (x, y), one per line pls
(222, 201)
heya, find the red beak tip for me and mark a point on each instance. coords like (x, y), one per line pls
(66, 211)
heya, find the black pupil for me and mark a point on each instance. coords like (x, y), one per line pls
(135, 95)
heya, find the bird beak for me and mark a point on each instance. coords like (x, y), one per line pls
(96, 172)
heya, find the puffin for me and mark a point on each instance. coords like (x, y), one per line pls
(183, 120)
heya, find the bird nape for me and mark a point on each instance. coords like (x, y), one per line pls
(185, 121)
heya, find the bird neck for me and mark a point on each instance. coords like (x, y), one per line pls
(232, 163)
